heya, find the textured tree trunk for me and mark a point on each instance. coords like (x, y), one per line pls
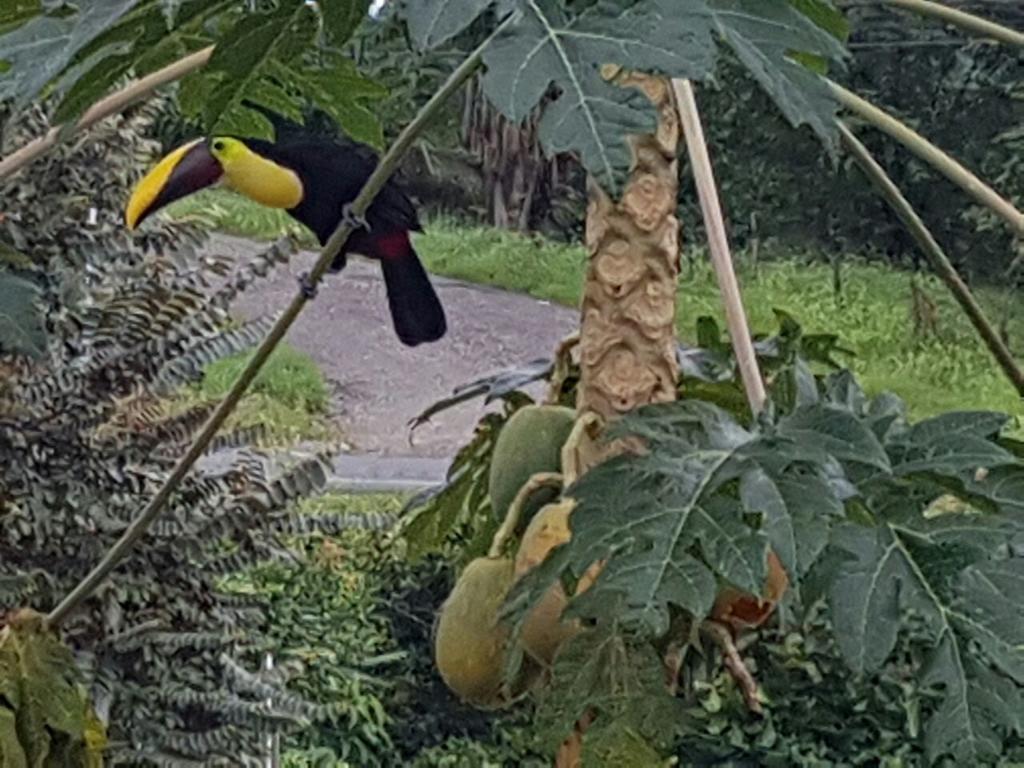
(627, 337)
(627, 325)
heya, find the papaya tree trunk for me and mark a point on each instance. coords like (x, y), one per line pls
(627, 317)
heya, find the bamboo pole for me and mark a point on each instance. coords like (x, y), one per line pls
(718, 242)
(387, 166)
(933, 251)
(110, 105)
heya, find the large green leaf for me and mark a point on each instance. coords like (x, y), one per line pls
(764, 35)
(825, 15)
(38, 50)
(883, 573)
(15, 12)
(834, 432)
(432, 22)
(798, 507)
(22, 326)
(139, 43)
(547, 45)
(255, 44)
(622, 681)
(43, 710)
(590, 116)
(268, 59)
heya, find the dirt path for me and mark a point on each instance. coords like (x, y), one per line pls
(381, 384)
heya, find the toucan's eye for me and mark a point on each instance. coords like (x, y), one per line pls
(218, 145)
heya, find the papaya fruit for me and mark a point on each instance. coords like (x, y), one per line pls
(530, 442)
(741, 610)
(469, 641)
(544, 631)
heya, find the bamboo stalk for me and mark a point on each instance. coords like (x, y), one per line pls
(383, 171)
(939, 261)
(966, 21)
(104, 108)
(718, 242)
(935, 157)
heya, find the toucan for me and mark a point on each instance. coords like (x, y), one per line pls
(314, 178)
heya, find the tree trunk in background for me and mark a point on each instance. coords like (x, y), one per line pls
(627, 325)
(517, 177)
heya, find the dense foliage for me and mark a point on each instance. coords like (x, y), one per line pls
(902, 542)
(961, 94)
(276, 54)
(85, 441)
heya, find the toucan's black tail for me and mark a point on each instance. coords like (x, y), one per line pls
(415, 308)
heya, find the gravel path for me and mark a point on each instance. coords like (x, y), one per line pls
(381, 384)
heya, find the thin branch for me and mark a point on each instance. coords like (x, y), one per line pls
(386, 167)
(940, 262)
(932, 155)
(965, 21)
(714, 222)
(720, 634)
(104, 108)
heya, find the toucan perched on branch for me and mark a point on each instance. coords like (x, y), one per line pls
(314, 178)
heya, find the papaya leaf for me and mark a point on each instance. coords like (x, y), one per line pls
(622, 682)
(432, 22)
(342, 17)
(825, 15)
(797, 507)
(38, 50)
(835, 432)
(139, 43)
(763, 35)
(41, 697)
(548, 45)
(590, 116)
(884, 573)
(16, 12)
(22, 326)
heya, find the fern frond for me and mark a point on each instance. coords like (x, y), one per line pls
(278, 254)
(189, 365)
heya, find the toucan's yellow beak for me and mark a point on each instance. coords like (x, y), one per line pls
(187, 169)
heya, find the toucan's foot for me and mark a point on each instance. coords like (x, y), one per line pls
(349, 218)
(307, 286)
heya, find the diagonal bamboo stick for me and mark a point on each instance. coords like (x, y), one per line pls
(104, 108)
(387, 166)
(718, 242)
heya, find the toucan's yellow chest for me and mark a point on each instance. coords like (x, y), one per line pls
(261, 180)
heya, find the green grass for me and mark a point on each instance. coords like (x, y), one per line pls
(289, 396)
(872, 317)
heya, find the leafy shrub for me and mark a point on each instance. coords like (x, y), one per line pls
(902, 542)
(355, 616)
(85, 443)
